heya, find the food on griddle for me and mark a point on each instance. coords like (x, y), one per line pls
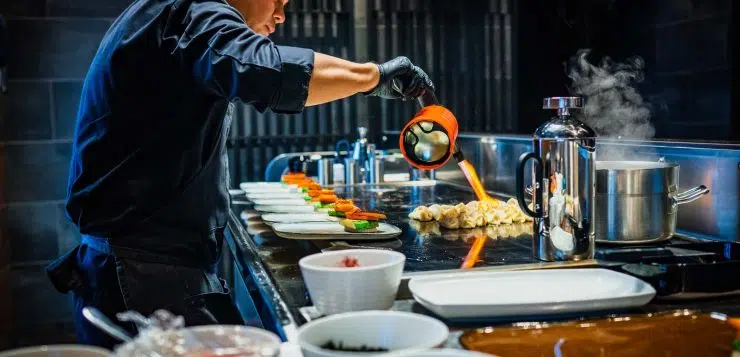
(449, 216)
(361, 222)
(421, 213)
(473, 214)
(340, 347)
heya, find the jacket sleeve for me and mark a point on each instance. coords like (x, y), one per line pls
(226, 58)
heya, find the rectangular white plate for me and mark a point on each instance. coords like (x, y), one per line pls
(529, 293)
(331, 230)
(275, 195)
(281, 202)
(284, 209)
(272, 218)
(245, 185)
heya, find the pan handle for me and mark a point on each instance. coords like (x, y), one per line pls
(690, 195)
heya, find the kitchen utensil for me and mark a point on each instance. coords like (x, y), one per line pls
(331, 230)
(679, 333)
(489, 294)
(637, 201)
(429, 140)
(57, 351)
(391, 330)
(99, 320)
(370, 285)
(563, 181)
(284, 209)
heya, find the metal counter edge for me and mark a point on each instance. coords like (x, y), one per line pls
(245, 253)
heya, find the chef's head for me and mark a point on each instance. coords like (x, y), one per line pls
(262, 15)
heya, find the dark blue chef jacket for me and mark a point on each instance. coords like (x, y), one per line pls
(148, 183)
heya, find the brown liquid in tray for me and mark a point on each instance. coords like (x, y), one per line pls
(677, 334)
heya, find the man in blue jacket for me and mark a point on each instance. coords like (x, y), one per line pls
(148, 184)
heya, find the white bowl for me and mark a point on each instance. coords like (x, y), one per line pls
(370, 286)
(439, 352)
(57, 351)
(392, 330)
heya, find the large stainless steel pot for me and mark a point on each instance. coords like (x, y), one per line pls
(637, 201)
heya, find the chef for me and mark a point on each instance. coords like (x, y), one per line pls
(148, 182)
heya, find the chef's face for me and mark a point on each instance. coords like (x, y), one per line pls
(262, 15)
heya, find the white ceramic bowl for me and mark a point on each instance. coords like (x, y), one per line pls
(57, 351)
(370, 286)
(392, 330)
(439, 352)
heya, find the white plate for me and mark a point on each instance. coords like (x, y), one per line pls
(281, 202)
(245, 185)
(529, 293)
(272, 218)
(284, 209)
(271, 190)
(331, 230)
(274, 195)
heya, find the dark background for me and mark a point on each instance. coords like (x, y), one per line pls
(492, 61)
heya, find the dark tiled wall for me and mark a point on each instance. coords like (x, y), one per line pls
(685, 44)
(51, 45)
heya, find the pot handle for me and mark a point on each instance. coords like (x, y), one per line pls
(691, 195)
(520, 183)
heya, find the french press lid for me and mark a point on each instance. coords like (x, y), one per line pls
(564, 125)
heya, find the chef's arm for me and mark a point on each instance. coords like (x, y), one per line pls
(212, 44)
(334, 78)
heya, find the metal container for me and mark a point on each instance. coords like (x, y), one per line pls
(637, 201)
(326, 171)
(376, 167)
(352, 172)
(563, 181)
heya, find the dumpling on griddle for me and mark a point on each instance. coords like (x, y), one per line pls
(471, 215)
(449, 217)
(421, 213)
(435, 211)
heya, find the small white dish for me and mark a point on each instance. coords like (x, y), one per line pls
(280, 201)
(57, 351)
(392, 330)
(528, 293)
(372, 285)
(284, 208)
(331, 230)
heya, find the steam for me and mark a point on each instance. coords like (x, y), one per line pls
(613, 106)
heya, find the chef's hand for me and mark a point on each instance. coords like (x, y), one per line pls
(412, 80)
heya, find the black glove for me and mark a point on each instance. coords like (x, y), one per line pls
(412, 81)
